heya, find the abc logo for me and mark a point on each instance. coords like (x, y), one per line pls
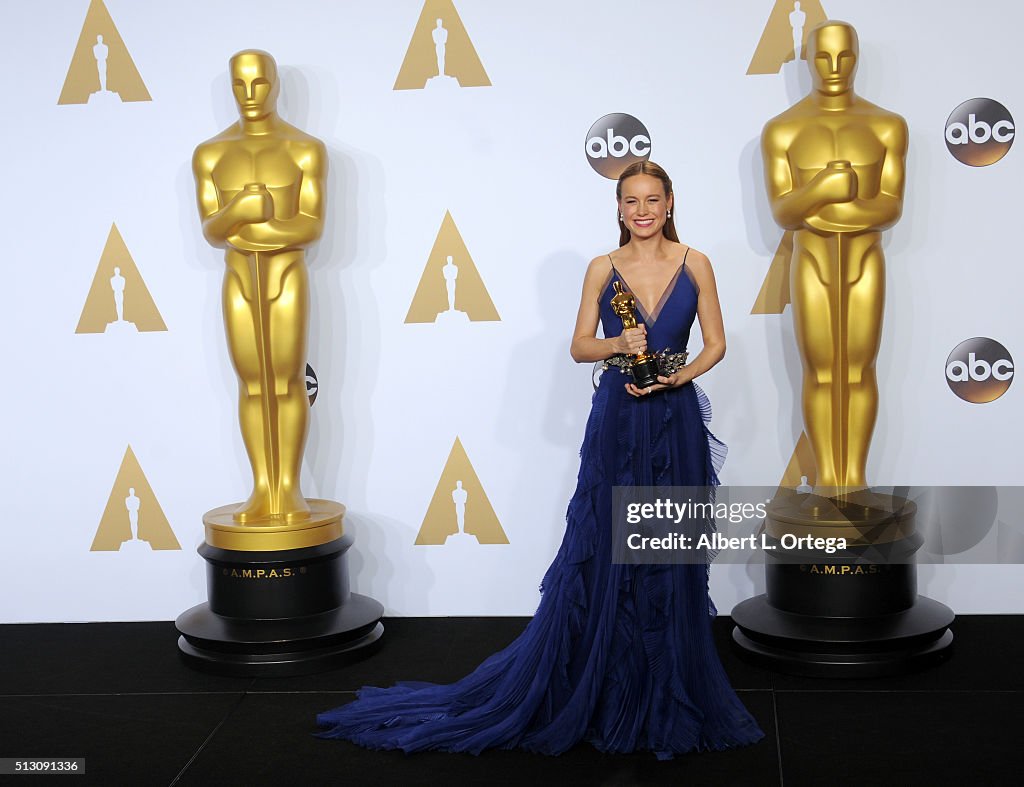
(979, 132)
(312, 384)
(616, 141)
(979, 370)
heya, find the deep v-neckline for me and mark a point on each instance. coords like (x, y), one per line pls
(650, 317)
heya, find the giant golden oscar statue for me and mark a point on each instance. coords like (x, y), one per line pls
(278, 556)
(835, 170)
(834, 166)
(260, 188)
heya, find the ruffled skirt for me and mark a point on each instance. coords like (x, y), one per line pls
(621, 656)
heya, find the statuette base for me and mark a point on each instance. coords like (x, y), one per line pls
(279, 612)
(645, 372)
(853, 613)
(323, 524)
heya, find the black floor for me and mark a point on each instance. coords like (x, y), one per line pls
(117, 695)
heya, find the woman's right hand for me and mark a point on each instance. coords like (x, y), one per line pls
(632, 341)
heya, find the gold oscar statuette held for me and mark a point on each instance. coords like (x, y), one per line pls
(260, 189)
(643, 366)
(276, 565)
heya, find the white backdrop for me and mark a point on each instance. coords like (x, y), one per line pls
(508, 162)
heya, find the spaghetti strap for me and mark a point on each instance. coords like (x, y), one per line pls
(689, 273)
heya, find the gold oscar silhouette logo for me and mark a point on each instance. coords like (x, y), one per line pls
(785, 35)
(800, 472)
(460, 506)
(440, 54)
(102, 70)
(774, 295)
(119, 301)
(133, 518)
(451, 290)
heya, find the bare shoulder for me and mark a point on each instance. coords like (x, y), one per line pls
(597, 274)
(601, 264)
(697, 260)
(699, 265)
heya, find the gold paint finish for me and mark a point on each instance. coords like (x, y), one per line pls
(321, 525)
(834, 166)
(623, 304)
(260, 189)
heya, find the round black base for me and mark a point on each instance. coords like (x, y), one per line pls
(645, 373)
(278, 613)
(279, 648)
(865, 647)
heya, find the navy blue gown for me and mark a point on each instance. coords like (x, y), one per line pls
(620, 656)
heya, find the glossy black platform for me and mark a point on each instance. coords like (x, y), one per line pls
(833, 610)
(869, 647)
(279, 613)
(841, 618)
(118, 695)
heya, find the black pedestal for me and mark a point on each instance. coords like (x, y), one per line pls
(276, 613)
(854, 613)
(645, 373)
(842, 647)
(842, 619)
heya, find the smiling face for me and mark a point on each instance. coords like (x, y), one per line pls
(254, 84)
(644, 205)
(833, 57)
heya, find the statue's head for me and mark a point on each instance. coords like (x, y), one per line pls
(254, 83)
(832, 53)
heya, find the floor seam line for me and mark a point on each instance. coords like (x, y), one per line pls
(212, 734)
(778, 738)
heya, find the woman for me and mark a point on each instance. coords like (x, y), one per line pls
(618, 655)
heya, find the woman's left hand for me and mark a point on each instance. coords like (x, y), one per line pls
(672, 381)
